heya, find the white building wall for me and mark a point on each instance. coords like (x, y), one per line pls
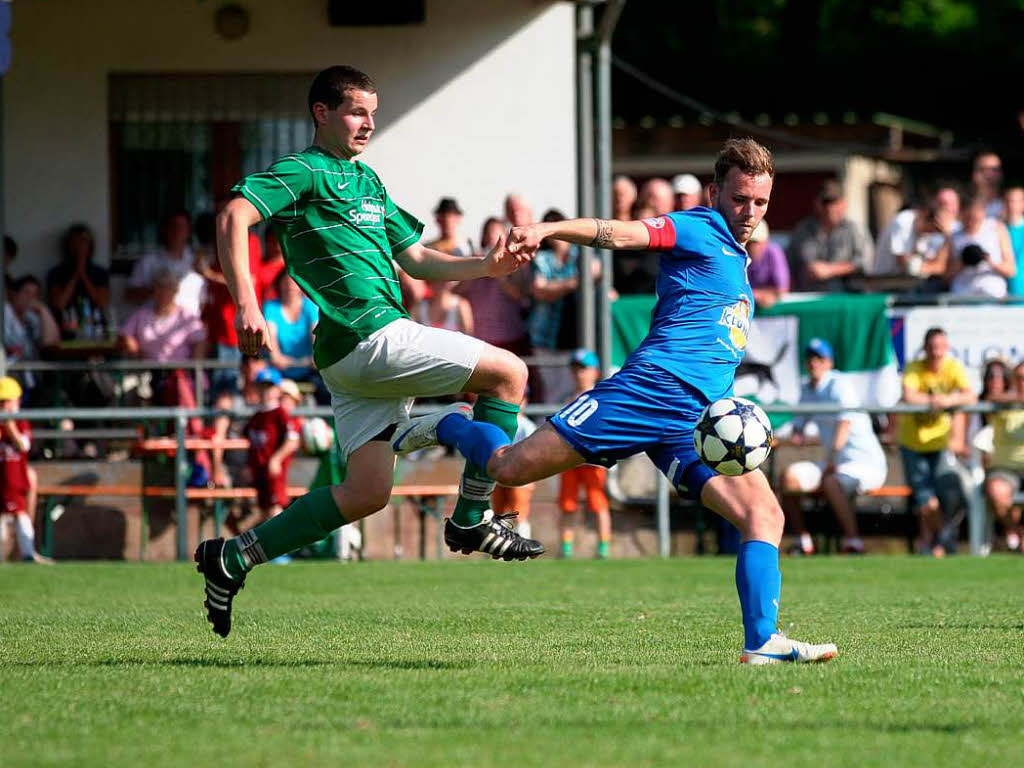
(476, 102)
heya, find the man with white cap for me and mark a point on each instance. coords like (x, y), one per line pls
(688, 190)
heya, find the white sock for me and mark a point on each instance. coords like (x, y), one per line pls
(26, 535)
(1012, 541)
(855, 543)
(806, 542)
(523, 529)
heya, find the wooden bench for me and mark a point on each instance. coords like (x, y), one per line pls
(884, 492)
(428, 500)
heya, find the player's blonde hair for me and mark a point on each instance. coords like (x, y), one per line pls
(746, 154)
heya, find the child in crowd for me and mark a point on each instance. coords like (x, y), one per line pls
(586, 374)
(517, 499)
(15, 441)
(273, 440)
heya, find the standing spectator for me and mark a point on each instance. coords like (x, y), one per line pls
(853, 461)
(508, 500)
(497, 304)
(518, 212)
(17, 496)
(1013, 202)
(623, 197)
(591, 478)
(176, 257)
(444, 309)
(1006, 464)
(768, 271)
(218, 310)
(448, 216)
(291, 320)
(939, 381)
(827, 248)
(914, 242)
(78, 288)
(659, 195)
(986, 180)
(688, 190)
(982, 257)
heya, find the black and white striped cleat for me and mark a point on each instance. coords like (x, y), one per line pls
(494, 536)
(220, 588)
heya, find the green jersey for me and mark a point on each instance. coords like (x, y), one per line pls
(339, 230)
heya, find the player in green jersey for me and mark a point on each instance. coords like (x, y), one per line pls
(341, 234)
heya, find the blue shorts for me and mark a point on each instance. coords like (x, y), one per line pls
(640, 408)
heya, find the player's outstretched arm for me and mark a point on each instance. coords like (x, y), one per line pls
(597, 233)
(233, 248)
(427, 264)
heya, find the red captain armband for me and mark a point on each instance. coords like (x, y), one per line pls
(662, 232)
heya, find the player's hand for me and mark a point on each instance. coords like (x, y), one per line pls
(253, 334)
(524, 239)
(500, 262)
(274, 466)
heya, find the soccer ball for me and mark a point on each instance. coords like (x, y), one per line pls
(317, 436)
(733, 436)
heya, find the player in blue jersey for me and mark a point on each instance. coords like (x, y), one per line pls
(688, 359)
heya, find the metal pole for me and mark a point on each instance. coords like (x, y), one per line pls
(664, 537)
(586, 314)
(180, 482)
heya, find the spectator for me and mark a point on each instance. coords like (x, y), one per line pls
(982, 256)
(516, 500)
(10, 254)
(444, 309)
(164, 331)
(517, 212)
(768, 271)
(17, 493)
(78, 288)
(496, 304)
(273, 263)
(853, 461)
(1013, 202)
(986, 180)
(659, 195)
(689, 191)
(938, 381)
(448, 216)
(1006, 464)
(176, 257)
(228, 398)
(995, 383)
(555, 273)
(29, 329)
(913, 243)
(636, 272)
(273, 439)
(623, 197)
(291, 320)
(218, 310)
(586, 373)
(827, 248)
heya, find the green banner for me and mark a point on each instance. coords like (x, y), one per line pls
(854, 324)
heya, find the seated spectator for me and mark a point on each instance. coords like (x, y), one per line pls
(78, 288)
(175, 257)
(448, 216)
(1013, 203)
(623, 197)
(17, 497)
(444, 309)
(1006, 463)
(688, 190)
(853, 462)
(914, 242)
(518, 212)
(981, 270)
(768, 271)
(658, 195)
(291, 320)
(940, 382)
(986, 180)
(496, 303)
(273, 436)
(590, 478)
(29, 329)
(827, 248)
(164, 331)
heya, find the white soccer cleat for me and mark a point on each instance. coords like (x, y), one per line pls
(780, 649)
(421, 432)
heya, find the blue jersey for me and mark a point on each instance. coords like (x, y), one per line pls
(702, 319)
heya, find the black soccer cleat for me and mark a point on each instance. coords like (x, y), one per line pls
(493, 536)
(221, 588)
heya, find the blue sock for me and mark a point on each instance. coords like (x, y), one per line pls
(475, 440)
(759, 584)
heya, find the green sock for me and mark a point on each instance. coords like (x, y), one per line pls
(566, 548)
(603, 550)
(307, 520)
(475, 491)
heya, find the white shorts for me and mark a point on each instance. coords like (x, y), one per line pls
(853, 476)
(373, 386)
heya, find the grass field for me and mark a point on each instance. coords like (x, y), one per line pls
(541, 663)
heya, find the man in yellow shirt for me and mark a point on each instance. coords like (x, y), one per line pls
(940, 382)
(1006, 466)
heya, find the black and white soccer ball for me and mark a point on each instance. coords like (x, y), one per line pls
(733, 436)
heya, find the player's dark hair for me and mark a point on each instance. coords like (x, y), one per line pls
(330, 85)
(933, 332)
(746, 154)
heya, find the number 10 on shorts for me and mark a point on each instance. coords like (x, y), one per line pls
(579, 410)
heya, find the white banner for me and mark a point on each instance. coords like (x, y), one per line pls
(770, 370)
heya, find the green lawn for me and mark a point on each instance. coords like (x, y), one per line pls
(513, 664)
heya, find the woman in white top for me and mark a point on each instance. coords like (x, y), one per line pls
(444, 309)
(988, 277)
